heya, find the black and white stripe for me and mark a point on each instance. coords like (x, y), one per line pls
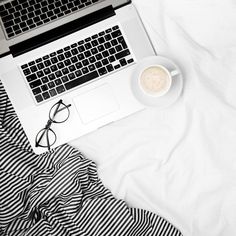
(59, 193)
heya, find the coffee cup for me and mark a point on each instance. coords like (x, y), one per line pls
(156, 80)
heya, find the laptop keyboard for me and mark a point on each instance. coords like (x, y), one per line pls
(78, 63)
(20, 16)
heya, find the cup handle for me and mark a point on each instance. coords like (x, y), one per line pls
(174, 73)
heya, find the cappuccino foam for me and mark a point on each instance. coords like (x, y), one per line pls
(155, 80)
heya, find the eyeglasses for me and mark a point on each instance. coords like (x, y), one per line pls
(58, 113)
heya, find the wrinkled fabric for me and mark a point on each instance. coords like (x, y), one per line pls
(60, 193)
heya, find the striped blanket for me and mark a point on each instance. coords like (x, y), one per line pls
(60, 193)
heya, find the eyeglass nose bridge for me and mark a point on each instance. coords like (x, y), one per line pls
(49, 123)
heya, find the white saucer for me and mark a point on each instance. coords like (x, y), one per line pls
(171, 96)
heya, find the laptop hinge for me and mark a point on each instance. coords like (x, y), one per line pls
(61, 31)
(124, 4)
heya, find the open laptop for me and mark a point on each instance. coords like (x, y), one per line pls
(81, 53)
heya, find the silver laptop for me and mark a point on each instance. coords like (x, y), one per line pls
(67, 65)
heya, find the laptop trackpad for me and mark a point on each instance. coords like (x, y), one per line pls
(96, 103)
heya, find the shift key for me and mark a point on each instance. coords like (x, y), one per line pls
(122, 54)
(35, 83)
(81, 80)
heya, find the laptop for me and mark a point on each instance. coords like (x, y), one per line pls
(67, 65)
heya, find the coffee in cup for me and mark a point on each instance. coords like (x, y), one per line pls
(156, 80)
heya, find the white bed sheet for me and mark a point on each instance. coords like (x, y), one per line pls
(180, 162)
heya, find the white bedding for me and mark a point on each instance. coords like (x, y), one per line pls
(180, 162)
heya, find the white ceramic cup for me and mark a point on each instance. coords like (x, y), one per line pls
(156, 80)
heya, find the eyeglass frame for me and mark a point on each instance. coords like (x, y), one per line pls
(49, 123)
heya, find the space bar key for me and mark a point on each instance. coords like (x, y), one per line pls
(81, 80)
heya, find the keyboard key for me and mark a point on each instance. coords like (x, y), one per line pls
(2, 8)
(51, 84)
(39, 98)
(24, 66)
(40, 74)
(65, 71)
(116, 33)
(87, 39)
(92, 59)
(47, 63)
(85, 62)
(67, 54)
(108, 30)
(109, 68)
(123, 62)
(46, 95)
(38, 60)
(118, 48)
(78, 73)
(85, 70)
(9, 30)
(58, 81)
(94, 36)
(31, 77)
(101, 40)
(88, 45)
(102, 71)
(111, 59)
(44, 79)
(91, 67)
(54, 60)
(72, 68)
(114, 42)
(98, 56)
(87, 54)
(115, 27)
(108, 37)
(33, 69)
(101, 33)
(74, 51)
(130, 60)
(35, 83)
(53, 68)
(81, 48)
(60, 65)
(78, 65)
(82, 79)
(58, 74)
(44, 87)
(105, 62)
(74, 59)
(98, 64)
(7, 18)
(46, 71)
(107, 45)
(117, 66)
(36, 91)
(67, 62)
(112, 51)
(101, 48)
(105, 53)
(122, 54)
(52, 92)
(94, 43)
(9, 23)
(60, 89)
(51, 76)
(81, 56)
